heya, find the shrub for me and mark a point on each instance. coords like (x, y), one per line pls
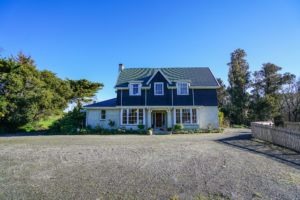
(150, 128)
(169, 128)
(210, 126)
(66, 128)
(141, 126)
(111, 123)
(178, 127)
(97, 129)
(221, 118)
(83, 131)
(278, 120)
(27, 128)
(71, 120)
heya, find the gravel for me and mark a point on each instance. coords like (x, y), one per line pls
(230, 165)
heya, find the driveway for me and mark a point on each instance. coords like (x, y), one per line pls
(204, 166)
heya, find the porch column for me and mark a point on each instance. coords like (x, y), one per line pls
(169, 118)
(149, 118)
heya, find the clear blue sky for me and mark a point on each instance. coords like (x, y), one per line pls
(88, 39)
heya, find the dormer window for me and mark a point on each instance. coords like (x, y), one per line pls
(182, 89)
(135, 89)
(158, 88)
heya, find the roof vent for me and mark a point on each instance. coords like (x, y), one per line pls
(121, 67)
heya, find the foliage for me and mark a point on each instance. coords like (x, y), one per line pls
(141, 126)
(169, 128)
(198, 131)
(221, 117)
(69, 122)
(178, 127)
(27, 95)
(278, 120)
(111, 123)
(150, 128)
(210, 126)
(222, 94)
(239, 82)
(83, 90)
(237, 126)
(265, 93)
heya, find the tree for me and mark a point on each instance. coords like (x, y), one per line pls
(28, 94)
(222, 94)
(266, 95)
(239, 82)
(290, 102)
(83, 90)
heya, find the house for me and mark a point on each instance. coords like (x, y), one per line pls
(159, 98)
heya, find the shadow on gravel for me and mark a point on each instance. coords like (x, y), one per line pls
(280, 154)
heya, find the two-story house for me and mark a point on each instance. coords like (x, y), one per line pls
(159, 98)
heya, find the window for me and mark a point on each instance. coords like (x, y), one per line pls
(103, 114)
(134, 89)
(182, 89)
(124, 116)
(194, 116)
(177, 116)
(186, 116)
(132, 116)
(158, 88)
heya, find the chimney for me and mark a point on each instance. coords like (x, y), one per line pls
(121, 67)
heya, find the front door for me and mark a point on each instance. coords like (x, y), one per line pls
(158, 120)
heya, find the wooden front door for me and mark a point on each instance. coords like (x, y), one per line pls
(158, 120)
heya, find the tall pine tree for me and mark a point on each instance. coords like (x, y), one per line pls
(239, 82)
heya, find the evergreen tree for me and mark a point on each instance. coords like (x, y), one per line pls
(266, 95)
(239, 82)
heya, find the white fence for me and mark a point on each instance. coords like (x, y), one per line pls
(280, 136)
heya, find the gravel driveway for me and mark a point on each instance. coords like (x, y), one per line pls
(205, 166)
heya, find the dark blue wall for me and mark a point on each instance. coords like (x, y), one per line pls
(203, 97)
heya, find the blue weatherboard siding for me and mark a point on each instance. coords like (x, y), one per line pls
(202, 97)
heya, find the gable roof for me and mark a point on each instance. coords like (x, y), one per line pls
(106, 103)
(197, 76)
(153, 75)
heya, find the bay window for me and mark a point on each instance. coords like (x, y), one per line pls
(186, 116)
(132, 116)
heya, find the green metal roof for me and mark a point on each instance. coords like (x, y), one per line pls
(197, 76)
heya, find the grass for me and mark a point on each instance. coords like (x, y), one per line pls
(237, 126)
(44, 124)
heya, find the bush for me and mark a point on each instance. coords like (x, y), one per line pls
(111, 123)
(27, 128)
(221, 118)
(178, 127)
(141, 126)
(150, 128)
(97, 129)
(278, 120)
(169, 128)
(70, 121)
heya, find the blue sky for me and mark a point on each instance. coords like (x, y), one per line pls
(88, 39)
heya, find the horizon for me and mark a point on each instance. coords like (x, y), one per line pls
(89, 40)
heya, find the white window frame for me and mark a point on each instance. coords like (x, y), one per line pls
(191, 116)
(127, 116)
(131, 89)
(101, 115)
(179, 91)
(162, 88)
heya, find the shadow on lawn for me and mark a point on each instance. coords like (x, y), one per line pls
(246, 142)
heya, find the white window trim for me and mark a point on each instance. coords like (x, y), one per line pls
(191, 116)
(101, 119)
(127, 116)
(179, 88)
(159, 83)
(131, 89)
